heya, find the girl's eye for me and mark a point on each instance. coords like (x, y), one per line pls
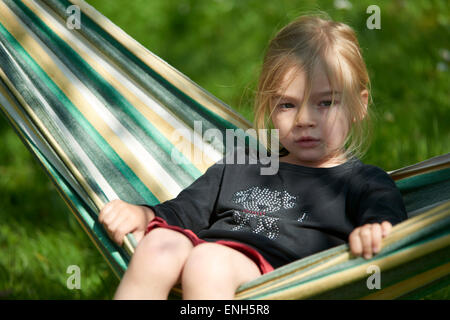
(327, 103)
(286, 105)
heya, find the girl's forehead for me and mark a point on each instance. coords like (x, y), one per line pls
(295, 81)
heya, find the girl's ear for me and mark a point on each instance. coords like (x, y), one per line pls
(365, 100)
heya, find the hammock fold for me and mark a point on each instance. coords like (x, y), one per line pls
(107, 119)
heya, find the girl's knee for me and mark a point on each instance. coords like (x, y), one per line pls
(162, 241)
(207, 262)
(162, 250)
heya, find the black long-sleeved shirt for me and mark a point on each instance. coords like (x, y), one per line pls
(287, 216)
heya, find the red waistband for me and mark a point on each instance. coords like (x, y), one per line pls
(263, 265)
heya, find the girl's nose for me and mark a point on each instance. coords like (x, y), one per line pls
(304, 117)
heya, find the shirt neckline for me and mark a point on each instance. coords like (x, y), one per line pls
(312, 170)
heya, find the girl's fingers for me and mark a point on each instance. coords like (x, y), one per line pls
(355, 242)
(119, 236)
(108, 213)
(119, 229)
(104, 212)
(108, 219)
(366, 239)
(376, 237)
(386, 227)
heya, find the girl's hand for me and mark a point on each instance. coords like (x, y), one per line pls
(366, 240)
(120, 218)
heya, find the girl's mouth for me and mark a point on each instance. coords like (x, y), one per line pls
(307, 142)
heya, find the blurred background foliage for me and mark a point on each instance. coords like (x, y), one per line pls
(220, 44)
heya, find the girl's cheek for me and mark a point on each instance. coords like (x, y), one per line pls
(333, 128)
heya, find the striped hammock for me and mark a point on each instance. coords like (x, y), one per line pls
(104, 116)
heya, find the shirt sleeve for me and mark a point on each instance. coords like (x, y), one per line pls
(380, 199)
(193, 206)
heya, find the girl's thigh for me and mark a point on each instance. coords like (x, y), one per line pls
(220, 263)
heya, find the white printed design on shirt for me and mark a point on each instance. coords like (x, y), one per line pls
(257, 203)
(303, 217)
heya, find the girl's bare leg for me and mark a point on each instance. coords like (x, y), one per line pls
(214, 271)
(155, 266)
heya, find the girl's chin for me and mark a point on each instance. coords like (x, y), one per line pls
(313, 159)
(303, 159)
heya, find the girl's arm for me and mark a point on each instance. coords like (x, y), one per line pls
(192, 207)
(379, 207)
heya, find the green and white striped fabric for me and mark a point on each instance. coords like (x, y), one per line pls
(111, 121)
(106, 118)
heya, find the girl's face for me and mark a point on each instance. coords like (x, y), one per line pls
(314, 133)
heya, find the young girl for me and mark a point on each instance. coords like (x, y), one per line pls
(233, 224)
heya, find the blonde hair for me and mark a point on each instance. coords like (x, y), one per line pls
(305, 43)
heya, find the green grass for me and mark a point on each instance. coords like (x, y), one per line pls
(219, 45)
(39, 237)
